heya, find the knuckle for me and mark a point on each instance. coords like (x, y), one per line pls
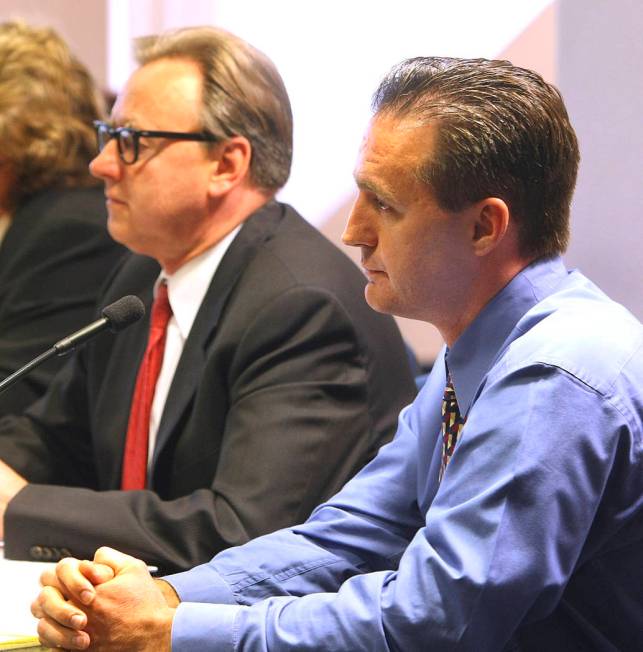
(140, 564)
(103, 551)
(65, 565)
(46, 577)
(45, 634)
(36, 610)
(44, 595)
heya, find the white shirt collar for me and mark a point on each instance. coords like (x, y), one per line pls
(187, 286)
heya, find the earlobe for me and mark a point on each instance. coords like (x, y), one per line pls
(490, 226)
(230, 165)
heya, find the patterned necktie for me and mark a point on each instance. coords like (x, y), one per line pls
(452, 423)
(136, 444)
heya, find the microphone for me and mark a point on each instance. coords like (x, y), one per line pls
(116, 317)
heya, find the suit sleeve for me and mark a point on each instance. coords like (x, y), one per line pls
(50, 443)
(297, 426)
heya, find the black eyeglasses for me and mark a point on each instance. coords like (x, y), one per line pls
(127, 138)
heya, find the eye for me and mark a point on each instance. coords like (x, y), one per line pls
(380, 204)
(375, 200)
(383, 206)
(127, 139)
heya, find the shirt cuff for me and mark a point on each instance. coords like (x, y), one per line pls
(201, 584)
(203, 627)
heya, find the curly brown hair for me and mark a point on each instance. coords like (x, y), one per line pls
(47, 104)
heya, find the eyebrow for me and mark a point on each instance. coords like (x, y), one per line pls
(122, 121)
(375, 189)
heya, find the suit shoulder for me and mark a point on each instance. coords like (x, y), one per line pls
(135, 274)
(54, 209)
(305, 254)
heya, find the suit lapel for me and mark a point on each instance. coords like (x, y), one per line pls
(256, 230)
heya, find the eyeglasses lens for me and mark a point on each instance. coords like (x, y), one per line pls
(102, 135)
(127, 145)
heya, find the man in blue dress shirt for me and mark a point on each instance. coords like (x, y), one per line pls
(512, 522)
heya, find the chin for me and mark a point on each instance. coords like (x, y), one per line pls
(116, 234)
(379, 302)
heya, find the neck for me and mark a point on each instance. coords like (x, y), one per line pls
(224, 215)
(491, 278)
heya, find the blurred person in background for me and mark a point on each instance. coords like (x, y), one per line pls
(55, 251)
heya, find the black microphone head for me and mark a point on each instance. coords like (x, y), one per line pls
(123, 312)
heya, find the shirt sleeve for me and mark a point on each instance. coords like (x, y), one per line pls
(308, 559)
(502, 534)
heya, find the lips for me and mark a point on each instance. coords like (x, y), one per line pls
(368, 265)
(372, 273)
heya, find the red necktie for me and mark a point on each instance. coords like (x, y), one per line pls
(136, 444)
(452, 424)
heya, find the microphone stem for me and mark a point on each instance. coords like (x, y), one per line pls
(9, 380)
(116, 316)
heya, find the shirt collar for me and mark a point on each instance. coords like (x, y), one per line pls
(186, 288)
(475, 350)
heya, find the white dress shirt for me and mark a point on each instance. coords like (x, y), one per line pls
(186, 290)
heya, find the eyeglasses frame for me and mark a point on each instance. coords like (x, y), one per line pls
(137, 134)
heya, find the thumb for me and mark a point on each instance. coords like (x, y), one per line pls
(96, 573)
(117, 561)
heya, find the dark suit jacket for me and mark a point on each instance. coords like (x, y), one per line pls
(287, 385)
(54, 259)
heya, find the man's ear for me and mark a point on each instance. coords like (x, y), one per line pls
(491, 221)
(231, 165)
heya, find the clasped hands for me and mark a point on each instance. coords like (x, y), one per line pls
(110, 603)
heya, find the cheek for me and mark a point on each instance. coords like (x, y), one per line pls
(413, 270)
(402, 262)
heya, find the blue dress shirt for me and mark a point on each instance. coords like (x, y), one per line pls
(532, 541)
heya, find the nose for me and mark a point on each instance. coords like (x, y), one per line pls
(107, 164)
(359, 231)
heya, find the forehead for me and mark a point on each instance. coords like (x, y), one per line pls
(164, 94)
(393, 150)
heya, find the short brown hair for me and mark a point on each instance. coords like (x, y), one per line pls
(47, 104)
(243, 95)
(502, 132)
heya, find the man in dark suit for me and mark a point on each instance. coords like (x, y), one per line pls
(277, 382)
(55, 252)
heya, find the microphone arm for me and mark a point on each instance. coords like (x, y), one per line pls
(116, 316)
(23, 371)
(69, 343)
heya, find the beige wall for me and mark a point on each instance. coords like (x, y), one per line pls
(83, 24)
(599, 72)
